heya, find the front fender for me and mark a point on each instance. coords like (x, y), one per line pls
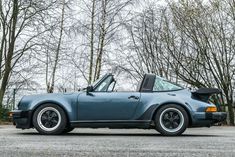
(68, 102)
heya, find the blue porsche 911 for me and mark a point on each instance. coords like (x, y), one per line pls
(156, 104)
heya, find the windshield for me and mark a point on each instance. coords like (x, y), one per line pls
(161, 84)
(96, 81)
(103, 87)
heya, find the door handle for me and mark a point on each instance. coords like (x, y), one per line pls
(133, 97)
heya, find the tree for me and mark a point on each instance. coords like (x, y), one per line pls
(145, 31)
(203, 45)
(99, 32)
(18, 22)
(192, 41)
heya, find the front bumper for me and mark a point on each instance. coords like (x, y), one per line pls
(22, 119)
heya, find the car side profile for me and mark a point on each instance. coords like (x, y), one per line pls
(156, 104)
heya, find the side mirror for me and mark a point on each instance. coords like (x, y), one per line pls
(89, 89)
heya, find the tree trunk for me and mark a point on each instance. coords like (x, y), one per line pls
(92, 42)
(3, 39)
(102, 36)
(10, 52)
(50, 87)
(230, 111)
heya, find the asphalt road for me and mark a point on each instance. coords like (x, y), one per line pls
(214, 141)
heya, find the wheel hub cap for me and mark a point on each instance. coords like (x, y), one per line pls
(49, 119)
(171, 120)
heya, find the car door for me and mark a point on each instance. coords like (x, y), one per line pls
(107, 105)
(102, 104)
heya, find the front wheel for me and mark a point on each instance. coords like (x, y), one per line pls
(171, 120)
(49, 119)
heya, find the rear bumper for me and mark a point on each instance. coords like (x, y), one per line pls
(216, 116)
(22, 119)
(208, 118)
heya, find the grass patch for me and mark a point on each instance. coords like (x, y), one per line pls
(5, 123)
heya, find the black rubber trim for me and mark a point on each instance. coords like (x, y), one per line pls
(147, 115)
(22, 119)
(111, 124)
(207, 91)
(111, 121)
(148, 83)
(216, 116)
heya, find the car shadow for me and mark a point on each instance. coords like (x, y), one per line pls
(121, 134)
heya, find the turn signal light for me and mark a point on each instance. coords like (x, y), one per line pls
(10, 114)
(211, 109)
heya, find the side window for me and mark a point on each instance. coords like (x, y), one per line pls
(103, 87)
(164, 85)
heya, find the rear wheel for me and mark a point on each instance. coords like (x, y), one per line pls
(49, 119)
(171, 120)
(68, 129)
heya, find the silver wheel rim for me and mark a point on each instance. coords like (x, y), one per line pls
(175, 118)
(53, 116)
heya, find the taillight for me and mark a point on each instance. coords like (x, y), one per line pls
(211, 109)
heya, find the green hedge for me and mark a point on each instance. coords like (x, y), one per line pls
(4, 114)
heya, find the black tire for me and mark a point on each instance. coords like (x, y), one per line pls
(68, 129)
(171, 120)
(49, 119)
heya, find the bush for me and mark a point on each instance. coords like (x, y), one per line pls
(4, 114)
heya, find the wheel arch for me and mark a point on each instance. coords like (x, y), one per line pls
(176, 103)
(49, 102)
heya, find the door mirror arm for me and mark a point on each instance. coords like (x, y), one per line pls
(89, 89)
